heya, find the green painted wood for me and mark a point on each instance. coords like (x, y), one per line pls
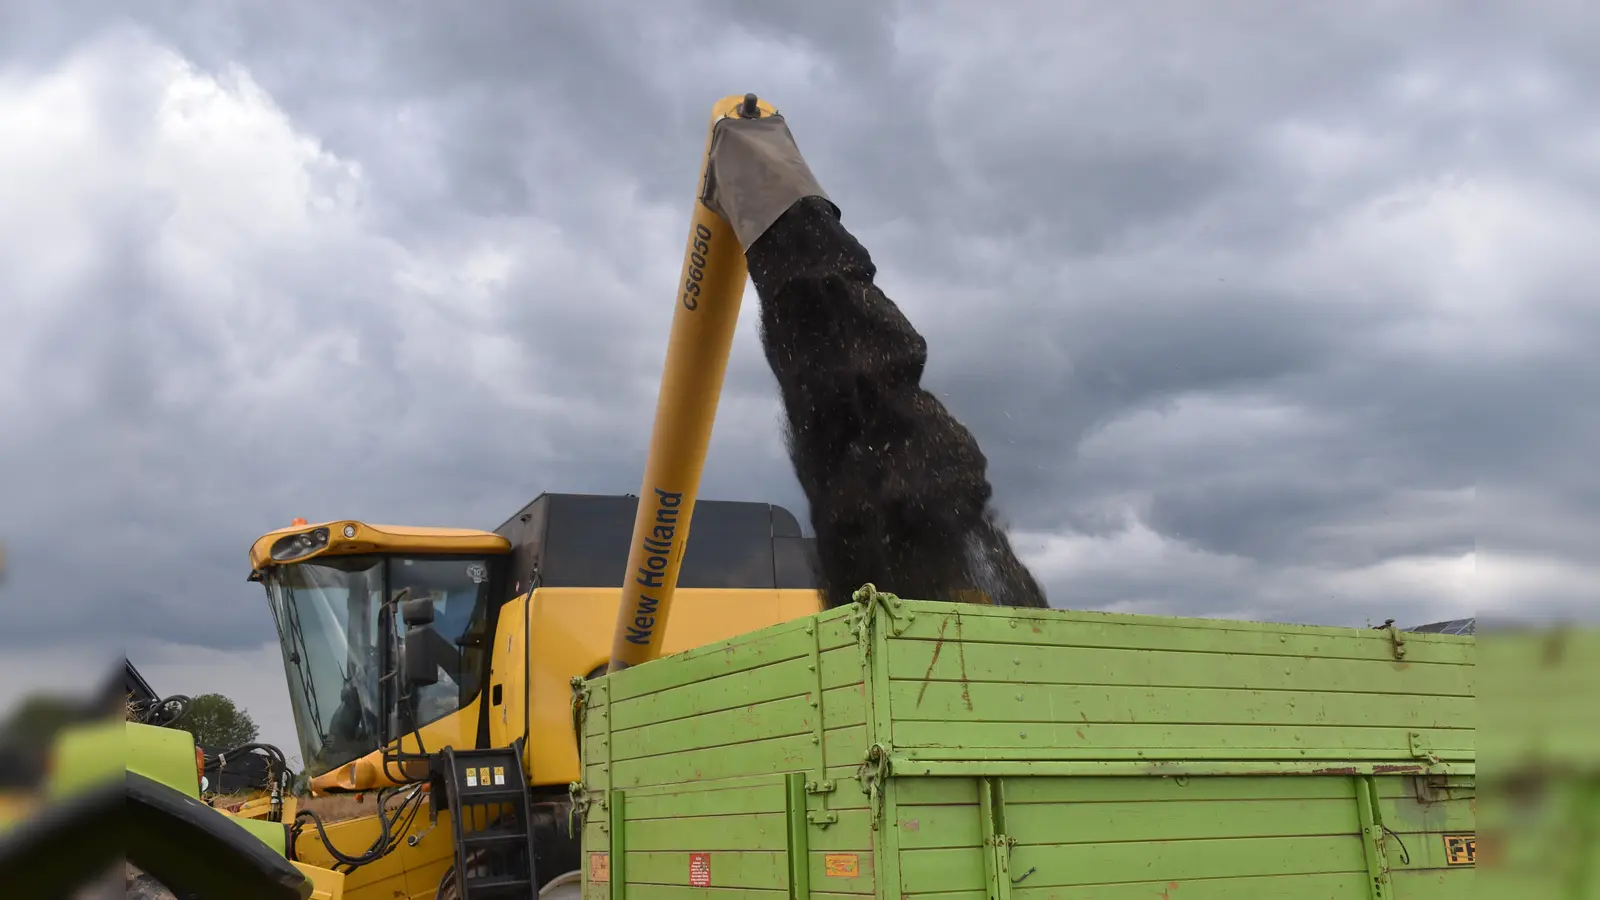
(760, 795)
(939, 763)
(1108, 863)
(920, 661)
(683, 892)
(756, 870)
(1320, 740)
(617, 843)
(1374, 840)
(761, 757)
(1123, 791)
(1326, 886)
(752, 722)
(959, 826)
(841, 670)
(1062, 629)
(799, 850)
(773, 644)
(1458, 884)
(754, 831)
(954, 701)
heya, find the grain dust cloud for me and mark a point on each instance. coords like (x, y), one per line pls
(898, 489)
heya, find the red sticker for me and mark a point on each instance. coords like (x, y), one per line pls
(700, 870)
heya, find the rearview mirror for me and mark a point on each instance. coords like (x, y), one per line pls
(418, 666)
(417, 612)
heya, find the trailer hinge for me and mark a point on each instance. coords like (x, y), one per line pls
(822, 817)
(1421, 750)
(1397, 643)
(874, 776)
(868, 602)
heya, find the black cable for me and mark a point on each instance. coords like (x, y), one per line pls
(388, 838)
(1405, 855)
(277, 764)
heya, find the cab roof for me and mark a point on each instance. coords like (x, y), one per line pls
(347, 537)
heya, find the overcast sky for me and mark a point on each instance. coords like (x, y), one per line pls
(1257, 311)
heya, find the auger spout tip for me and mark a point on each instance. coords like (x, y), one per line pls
(750, 110)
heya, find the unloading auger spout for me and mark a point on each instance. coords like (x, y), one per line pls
(897, 487)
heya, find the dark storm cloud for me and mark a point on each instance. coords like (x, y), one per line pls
(1178, 273)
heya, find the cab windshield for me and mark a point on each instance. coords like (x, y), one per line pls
(331, 612)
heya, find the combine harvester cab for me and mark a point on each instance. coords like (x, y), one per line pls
(907, 749)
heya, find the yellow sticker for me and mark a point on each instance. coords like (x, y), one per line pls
(499, 775)
(472, 778)
(483, 776)
(842, 865)
(1461, 849)
(599, 868)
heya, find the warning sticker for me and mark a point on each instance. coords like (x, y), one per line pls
(472, 778)
(599, 868)
(499, 775)
(842, 865)
(483, 775)
(699, 870)
(1461, 849)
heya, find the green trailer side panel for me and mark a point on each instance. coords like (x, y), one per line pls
(902, 749)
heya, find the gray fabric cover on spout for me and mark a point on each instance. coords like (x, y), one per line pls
(755, 174)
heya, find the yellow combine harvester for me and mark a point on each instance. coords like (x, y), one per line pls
(444, 657)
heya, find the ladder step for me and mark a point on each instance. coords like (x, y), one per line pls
(497, 860)
(498, 883)
(493, 836)
(504, 795)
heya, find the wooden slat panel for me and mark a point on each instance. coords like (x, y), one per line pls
(920, 661)
(1153, 790)
(1331, 886)
(1062, 629)
(758, 721)
(773, 644)
(788, 754)
(1075, 864)
(742, 688)
(1037, 824)
(1156, 739)
(954, 701)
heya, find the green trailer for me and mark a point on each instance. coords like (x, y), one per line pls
(910, 750)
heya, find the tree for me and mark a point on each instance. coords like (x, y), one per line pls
(37, 718)
(216, 722)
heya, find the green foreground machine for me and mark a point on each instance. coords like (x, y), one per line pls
(910, 750)
(127, 791)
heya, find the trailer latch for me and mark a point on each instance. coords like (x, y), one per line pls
(1421, 750)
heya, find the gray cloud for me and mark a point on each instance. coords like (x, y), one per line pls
(1250, 310)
